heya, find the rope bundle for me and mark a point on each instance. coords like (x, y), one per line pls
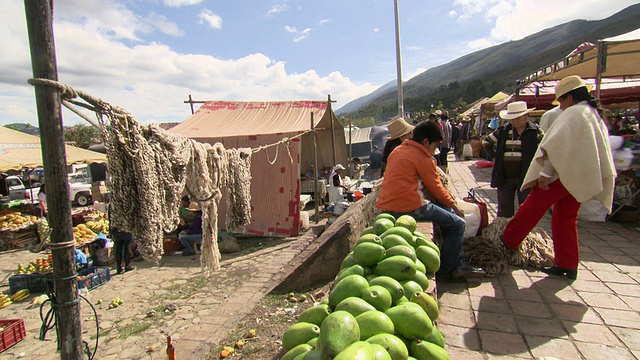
(150, 167)
(489, 253)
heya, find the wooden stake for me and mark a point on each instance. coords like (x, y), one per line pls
(43, 61)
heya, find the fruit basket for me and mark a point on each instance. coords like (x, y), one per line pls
(93, 276)
(13, 331)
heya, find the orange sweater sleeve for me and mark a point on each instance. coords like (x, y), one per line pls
(432, 184)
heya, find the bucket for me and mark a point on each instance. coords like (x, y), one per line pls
(304, 219)
(623, 159)
(340, 207)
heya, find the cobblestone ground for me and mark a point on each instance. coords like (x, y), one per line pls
(526, 314)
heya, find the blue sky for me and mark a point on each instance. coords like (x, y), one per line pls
(147, 56)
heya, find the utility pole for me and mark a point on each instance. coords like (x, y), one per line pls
(399, 61)
(39, 15)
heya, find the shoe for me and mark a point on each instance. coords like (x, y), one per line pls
(129, 268)
(120, 270)
(465, 271)
(557, 270)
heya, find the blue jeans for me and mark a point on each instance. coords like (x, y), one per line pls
(189, 241)
(452, 227)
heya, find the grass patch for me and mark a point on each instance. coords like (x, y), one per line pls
(134, 329)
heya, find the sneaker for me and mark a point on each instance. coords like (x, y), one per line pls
(466, 271)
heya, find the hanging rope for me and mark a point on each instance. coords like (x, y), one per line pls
(149, 169)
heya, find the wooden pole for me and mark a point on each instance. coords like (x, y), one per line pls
(316, 216)
(333, 131)
(43, 61)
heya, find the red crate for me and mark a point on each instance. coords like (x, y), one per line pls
(13, 333)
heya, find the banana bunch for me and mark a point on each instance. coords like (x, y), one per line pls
(98, 226)
(20, 295)
(5, 301)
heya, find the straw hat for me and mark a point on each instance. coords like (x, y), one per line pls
(338, 167)
(194, 206)
(398, 128)
(515, 110)
(568, 84)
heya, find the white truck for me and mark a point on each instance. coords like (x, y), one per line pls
(11, 188)
(79, 190)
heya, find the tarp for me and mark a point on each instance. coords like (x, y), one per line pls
(275, 170)
(19, 150)
(619, 56)
(614, 93)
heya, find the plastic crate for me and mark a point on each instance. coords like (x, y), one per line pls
(35, 283)
(14, 331)
(94, 277)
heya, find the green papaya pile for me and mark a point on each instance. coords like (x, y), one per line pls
(378, 308)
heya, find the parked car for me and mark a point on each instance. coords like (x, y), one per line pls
(11, 188)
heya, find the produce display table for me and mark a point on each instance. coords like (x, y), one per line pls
(308, 187)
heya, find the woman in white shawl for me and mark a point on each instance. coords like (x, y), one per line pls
(336, 185)
(573, 164)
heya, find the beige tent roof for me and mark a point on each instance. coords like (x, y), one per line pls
(620, 55)
(218, 119)
(19, 150)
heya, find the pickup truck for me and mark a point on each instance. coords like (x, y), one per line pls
(11, 188)
(79, 190)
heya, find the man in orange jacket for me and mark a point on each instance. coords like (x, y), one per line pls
(411, 171)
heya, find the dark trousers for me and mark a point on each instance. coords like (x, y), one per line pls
(442, 158)
(123, 250)
(507, 195)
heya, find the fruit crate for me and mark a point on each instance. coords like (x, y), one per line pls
(14, 331)
(94, 276)
(35, 283)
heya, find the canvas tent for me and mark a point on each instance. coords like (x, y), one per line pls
(616, 57)
(362, 140)
(275, 171)
(19, 151)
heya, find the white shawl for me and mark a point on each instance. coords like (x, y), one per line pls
(577, 145)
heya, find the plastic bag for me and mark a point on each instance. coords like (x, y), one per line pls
(467, 151)
(592, 210)
(471, 217)
(484, 164)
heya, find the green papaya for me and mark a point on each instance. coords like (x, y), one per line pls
(351, 270)
(352, 285)
(436, 338)
(392, 285)
(368, 254)
(394, 346)
(377, 296)
(379, 353)
(338, 331)
(401, 250)
(299, 333)
(429, 257)
(315, 314)
(373, 323)
(424, 350)
(293, 353)
(397, 267)
(359, 350)
(427, 303)
(410, 321)
(354, 306)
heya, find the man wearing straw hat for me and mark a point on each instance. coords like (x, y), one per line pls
(399, 130)
(189, 238)
(573, 164)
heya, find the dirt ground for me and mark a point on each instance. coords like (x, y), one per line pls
(270, 319)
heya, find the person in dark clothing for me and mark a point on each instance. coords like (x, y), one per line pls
(399, 130)
(512, 147)
(122, 246)
(189, 238)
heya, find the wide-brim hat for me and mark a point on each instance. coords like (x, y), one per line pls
(338, 167)
(398, 128)
(568, 84)
(194, 206)
(515, 110)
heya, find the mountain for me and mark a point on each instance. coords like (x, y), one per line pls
(487, 71)
(354, 105)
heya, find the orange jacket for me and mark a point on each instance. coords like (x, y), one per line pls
(411, 169)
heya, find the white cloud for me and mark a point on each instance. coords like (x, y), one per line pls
(414, 48)
(303, 35)
(278, 8)
(290, 29)
(179, 3)
(149, 80)
(516, 19)
(163, 25)
(210, 18)
(324, 21)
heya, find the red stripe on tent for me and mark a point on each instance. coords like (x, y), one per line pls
(255, 232)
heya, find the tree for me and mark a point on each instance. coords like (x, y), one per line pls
(83, 135)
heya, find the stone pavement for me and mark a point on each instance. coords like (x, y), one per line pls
(526, 314)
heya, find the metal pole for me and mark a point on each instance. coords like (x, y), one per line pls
(399, 62)
(316, 216)
(350, 139)
(39, 15)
